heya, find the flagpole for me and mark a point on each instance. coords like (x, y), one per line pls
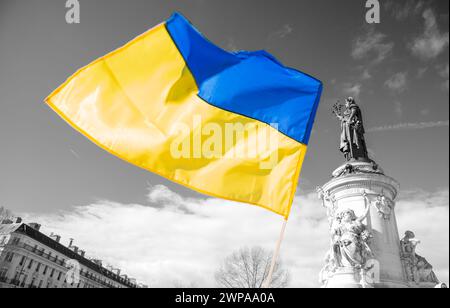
(268, 280)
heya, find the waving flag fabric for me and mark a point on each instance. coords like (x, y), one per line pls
(230, 125)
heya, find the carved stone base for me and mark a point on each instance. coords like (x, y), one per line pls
(344, 278)
(363, 188)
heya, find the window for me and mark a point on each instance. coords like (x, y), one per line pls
(22, 284)
(38, 267)
(52, 273)
(59, 275)
(30, 264)
(23, 260)
(3, 273)
(40, 284)
(9, 256)
(3, 240)
(45, 270)
(16, 241)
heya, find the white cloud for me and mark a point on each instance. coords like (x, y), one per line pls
(352, 89)
(174, 240)
(432, 42)
(397, 82)
(401, 10)
(398, 108)
(366, 74)
(283, 32)
(372, 45)
(406, 126)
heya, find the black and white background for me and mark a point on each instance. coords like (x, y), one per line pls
(166, 235)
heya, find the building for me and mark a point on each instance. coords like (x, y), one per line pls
(30, 259)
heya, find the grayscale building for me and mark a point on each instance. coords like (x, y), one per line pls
(30, 259)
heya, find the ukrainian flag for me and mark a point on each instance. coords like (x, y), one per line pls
(168, 100)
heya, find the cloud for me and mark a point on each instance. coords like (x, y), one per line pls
(352, 89)
(283, 32)
(432, 42)
(372, 45)
(421, 72)
(407, 126)
(366, 74)
(425, 112)
(402, 10)
(397, 82)
(173, 240)
(165, 247)
(398, 108)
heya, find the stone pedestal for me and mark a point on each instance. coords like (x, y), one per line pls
(362, 188)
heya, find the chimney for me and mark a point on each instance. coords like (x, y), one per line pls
(70, 242)
(56, 237)
(117, 271)
(74, 249)
(82, 253)
(35, 226)
(98, 262)
(18, 220)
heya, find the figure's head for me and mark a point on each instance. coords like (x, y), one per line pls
(347, 215)
(409, 234)
(349, 101)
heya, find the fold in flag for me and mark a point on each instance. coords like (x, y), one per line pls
(230, 125)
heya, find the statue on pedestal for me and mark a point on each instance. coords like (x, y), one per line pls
(417, 268)
(352, 144)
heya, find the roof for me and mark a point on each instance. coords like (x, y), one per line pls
(49, 242)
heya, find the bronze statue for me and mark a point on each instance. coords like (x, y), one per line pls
(353, 144)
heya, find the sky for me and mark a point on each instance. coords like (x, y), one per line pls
(161, 232)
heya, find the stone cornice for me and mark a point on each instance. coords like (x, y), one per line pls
(362, 180)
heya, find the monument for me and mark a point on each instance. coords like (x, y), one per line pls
(365, 247)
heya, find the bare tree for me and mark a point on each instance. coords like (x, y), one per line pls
(249, 268)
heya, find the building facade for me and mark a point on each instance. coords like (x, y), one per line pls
(30, 259)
